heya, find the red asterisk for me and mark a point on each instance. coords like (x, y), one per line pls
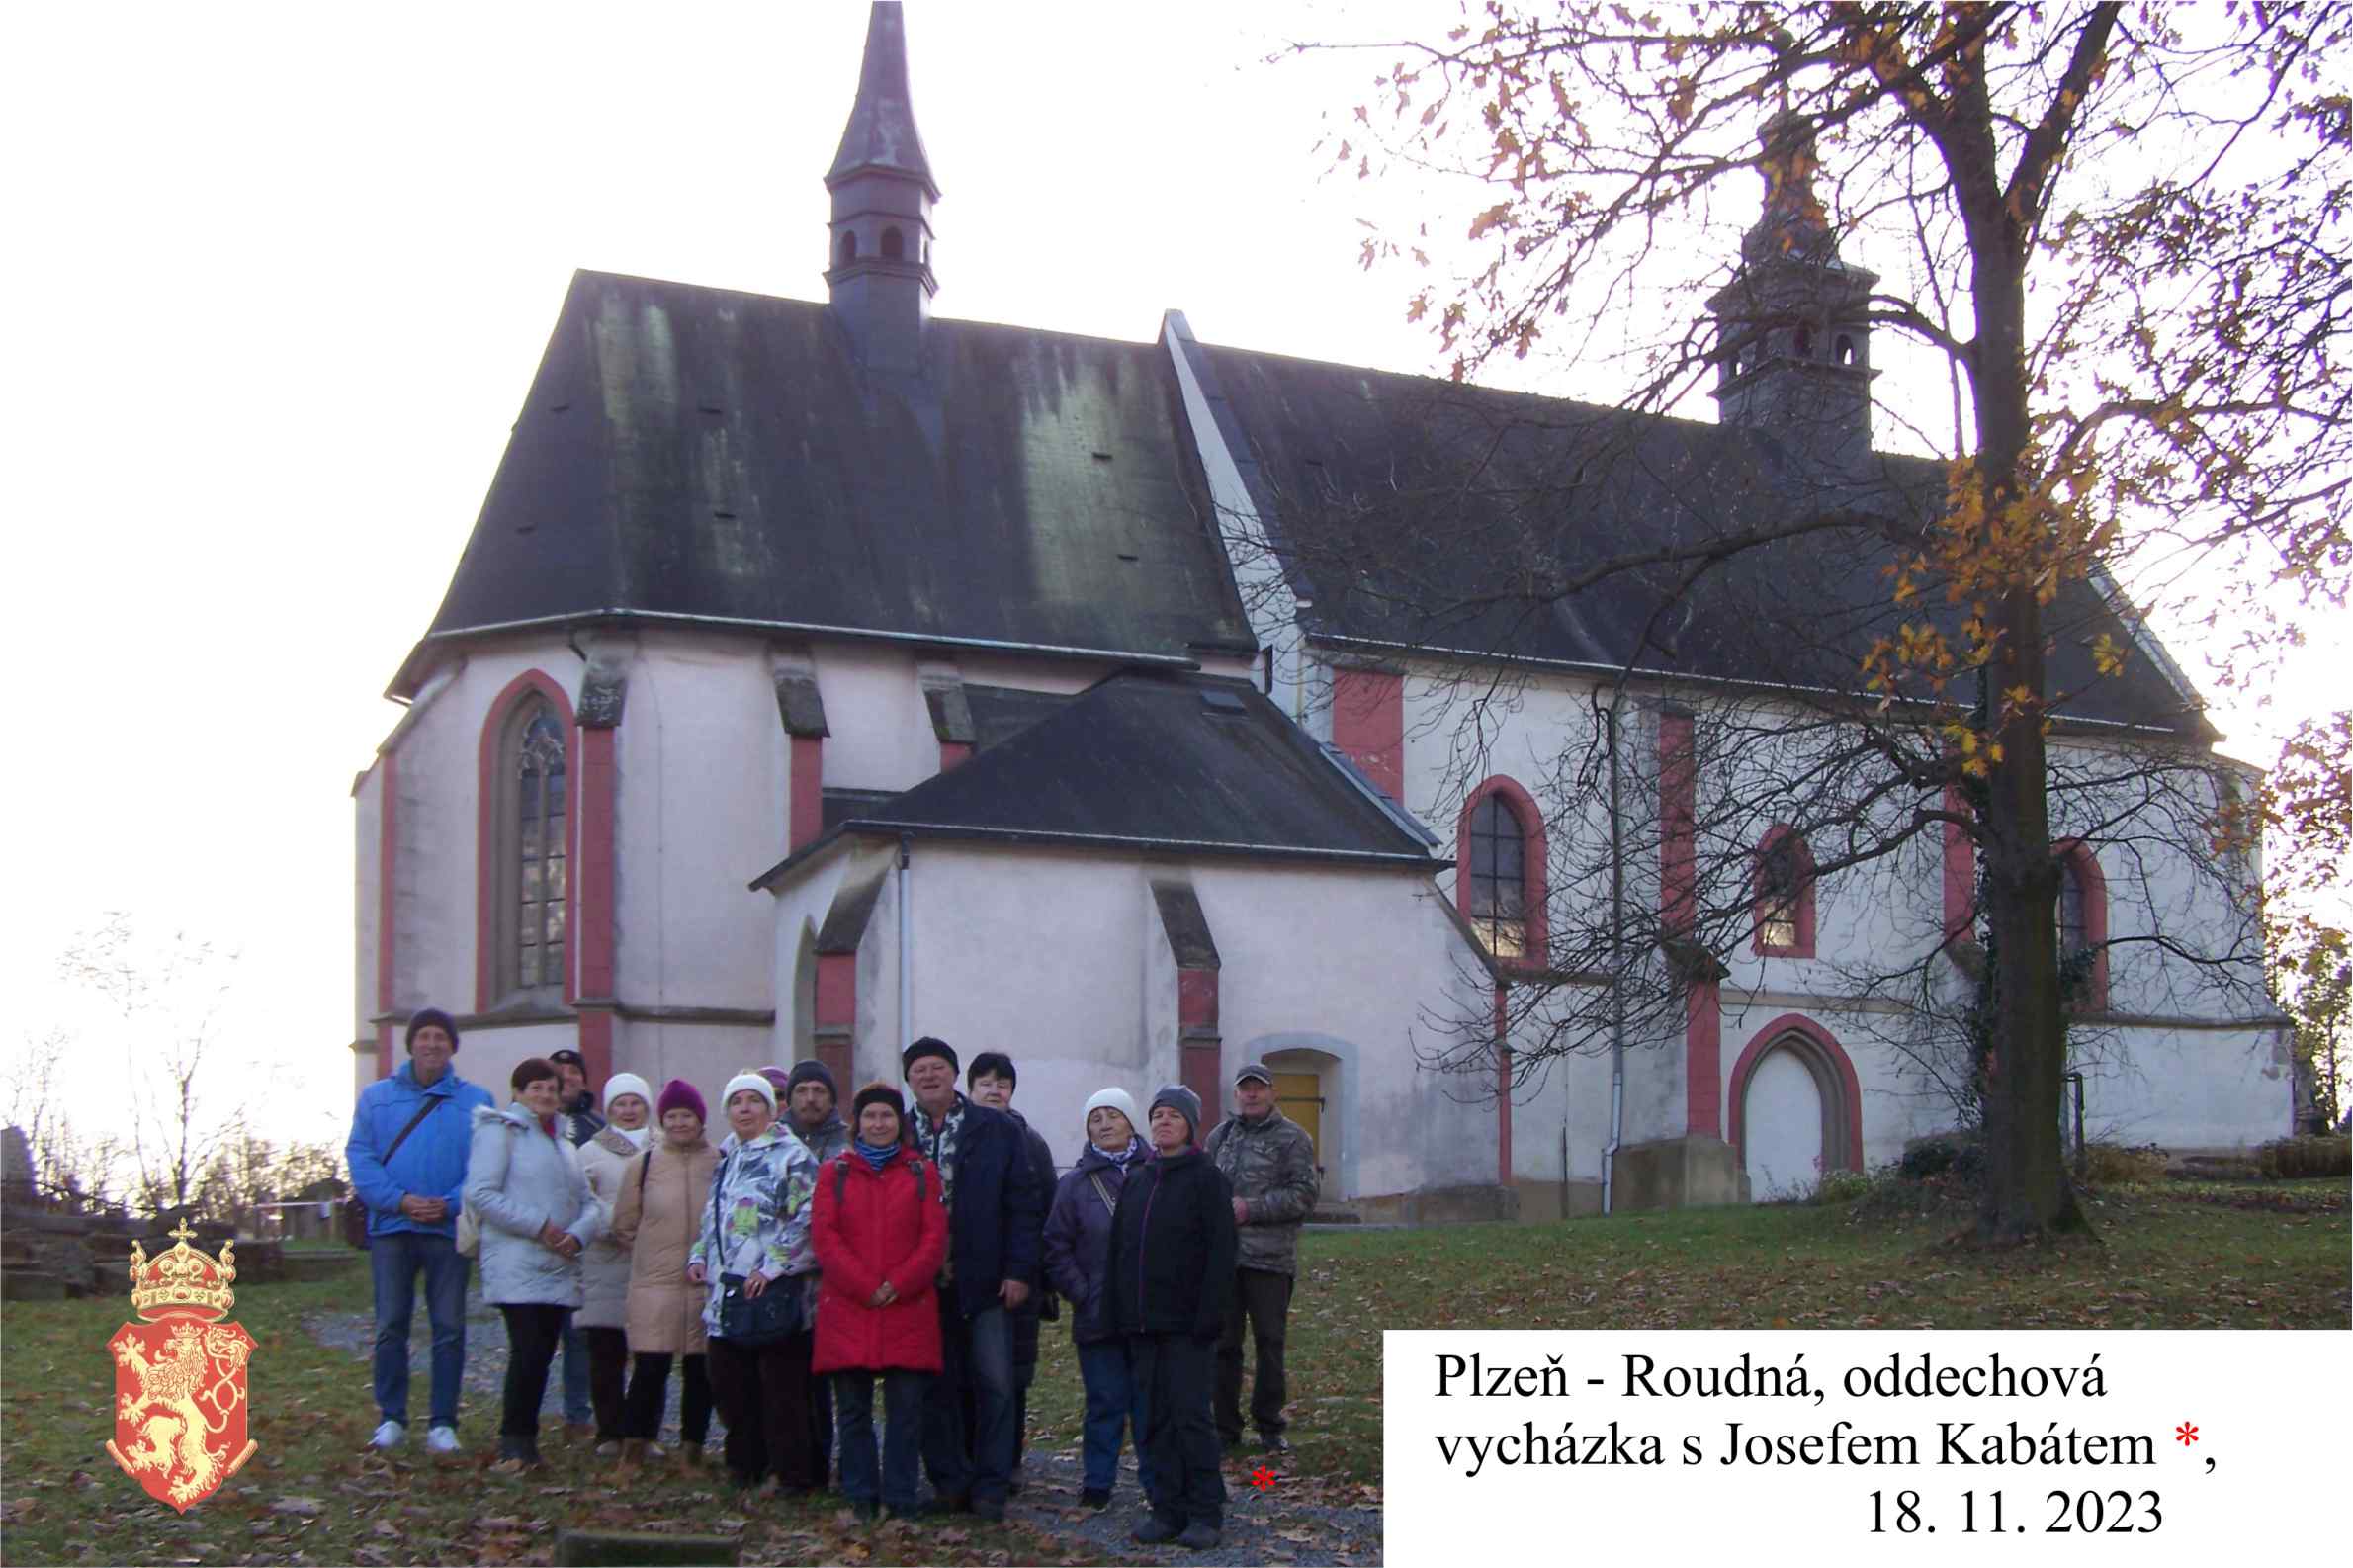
(2187, 1431)
(1262, 1478)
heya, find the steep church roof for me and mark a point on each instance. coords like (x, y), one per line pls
(1415, 512)
(705, 455)
(1157, 762)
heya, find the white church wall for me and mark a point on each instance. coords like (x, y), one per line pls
(699, 809)
(705, 1055)
(1361, 958)
(2189, 1088)
(881, 733)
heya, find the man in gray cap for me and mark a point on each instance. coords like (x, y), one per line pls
(1270, 1160)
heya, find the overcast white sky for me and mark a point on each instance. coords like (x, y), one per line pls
(277, 282)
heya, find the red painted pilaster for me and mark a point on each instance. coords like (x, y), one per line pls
(807, 818)
(954, 754)
(1961, 871)
(1368, 725)
(837, 1021)
(1199, 1064)
(1502, 1088)
(592, 890)
(1703, 1018)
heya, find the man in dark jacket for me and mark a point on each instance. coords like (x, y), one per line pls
(809, 1103)
(1269, 1161)
(996, 1211)
(992, 1079)
(410, 1134)
(1173, 1248)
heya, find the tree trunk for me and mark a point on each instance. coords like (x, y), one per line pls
(2025, 1191)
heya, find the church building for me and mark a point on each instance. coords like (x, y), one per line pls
(823, 676)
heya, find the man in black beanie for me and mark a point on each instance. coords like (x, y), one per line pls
(410, 1135)
(809, 1111)
(996, 1215)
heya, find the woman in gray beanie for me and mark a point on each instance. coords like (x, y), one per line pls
(1173, 1248)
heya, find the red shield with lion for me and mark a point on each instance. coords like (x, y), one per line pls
(180, 1376)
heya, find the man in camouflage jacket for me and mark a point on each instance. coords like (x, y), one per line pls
(1270, 1160)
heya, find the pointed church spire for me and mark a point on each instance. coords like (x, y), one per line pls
(879, 280)
(1794, 325)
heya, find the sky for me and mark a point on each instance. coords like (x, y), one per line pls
(279, 280)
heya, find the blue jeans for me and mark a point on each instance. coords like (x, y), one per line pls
(978, 1349)
(903, 1414)
(395, 1258)
(1114, 1399)
(578, 1409)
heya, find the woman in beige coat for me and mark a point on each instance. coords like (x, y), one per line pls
(656, 1213)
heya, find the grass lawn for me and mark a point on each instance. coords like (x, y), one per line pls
(2171, 1257)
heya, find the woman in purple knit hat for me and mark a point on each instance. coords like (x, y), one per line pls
(657, 1214)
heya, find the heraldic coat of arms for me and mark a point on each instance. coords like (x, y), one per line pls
(179, 1374)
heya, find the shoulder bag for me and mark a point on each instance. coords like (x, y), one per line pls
(354, 1213)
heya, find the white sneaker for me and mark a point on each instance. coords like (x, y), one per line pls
(388, 1436)
(441, 1439)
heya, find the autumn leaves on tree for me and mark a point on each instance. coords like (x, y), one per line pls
(2115, 237)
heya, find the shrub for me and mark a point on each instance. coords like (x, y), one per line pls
(1951, 1155)
(1841, 1186)
(2319, 1154)
(2115, 1165)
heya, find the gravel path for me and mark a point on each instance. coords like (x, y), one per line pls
(1262, 1527)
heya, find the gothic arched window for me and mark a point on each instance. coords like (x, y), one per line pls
(534, 845)
(2082, 920)
(894, 246)
(1785, 896)
(1500, 883)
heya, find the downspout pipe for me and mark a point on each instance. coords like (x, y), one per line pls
(1617, 962)
(907, 937)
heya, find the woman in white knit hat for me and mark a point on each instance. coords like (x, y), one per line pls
(1078, 1255)
(606, 1159)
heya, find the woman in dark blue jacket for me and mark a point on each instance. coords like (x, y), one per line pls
(1078, 1264)
(1172, 1252)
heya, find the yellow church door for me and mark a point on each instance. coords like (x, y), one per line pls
(1299, 1096)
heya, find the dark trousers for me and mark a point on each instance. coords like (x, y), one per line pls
(764, 1397)
(533, 1332)
(1025, 1372)
(1174, 1369)
(394, 1260)
(976, 1351)
(821, 1422)
(650, 1391)
(1263, 1302)
(608, 1376)
(903, 1432)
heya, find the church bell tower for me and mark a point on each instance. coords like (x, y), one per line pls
(879, 277)
(1794, 325)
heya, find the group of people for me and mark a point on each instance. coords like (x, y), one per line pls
(800, 1263)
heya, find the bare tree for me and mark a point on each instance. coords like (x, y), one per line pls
(2128, 233)
(168, 998)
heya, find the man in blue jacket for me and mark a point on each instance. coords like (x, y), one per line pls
(996, 1213)
(410, 1139)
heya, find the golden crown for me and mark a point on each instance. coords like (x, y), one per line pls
(182, 1282)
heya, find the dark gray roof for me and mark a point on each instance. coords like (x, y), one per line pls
(1157, 764)
(1413, 511)
(881, 133)
(700, 453)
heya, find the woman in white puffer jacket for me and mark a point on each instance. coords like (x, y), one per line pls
(537, 1216)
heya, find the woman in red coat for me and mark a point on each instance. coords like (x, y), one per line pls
(881, 1235)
